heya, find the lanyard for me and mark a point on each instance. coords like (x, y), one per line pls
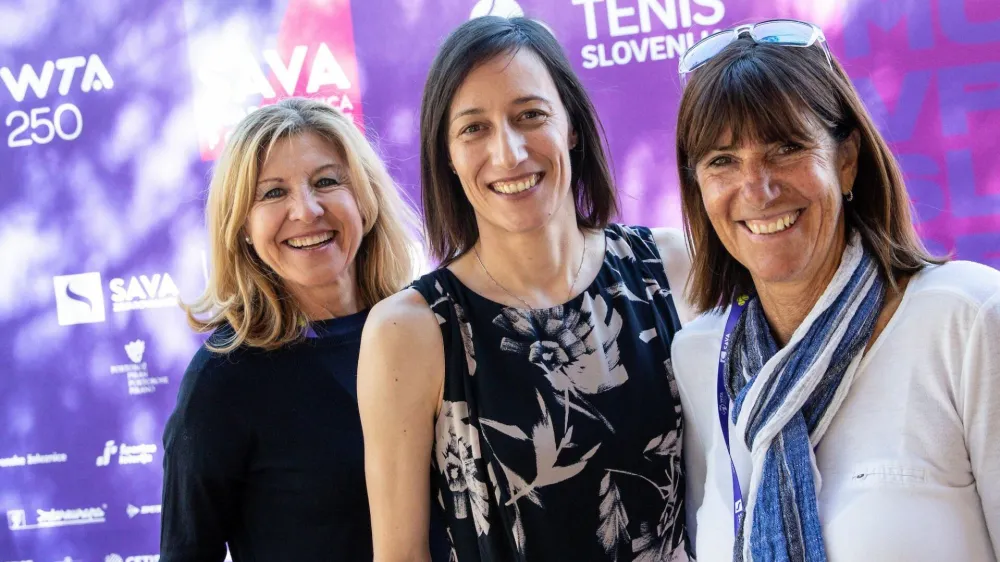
(735, 309)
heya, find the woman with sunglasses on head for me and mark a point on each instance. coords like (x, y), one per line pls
(527, 377)
(842, 392)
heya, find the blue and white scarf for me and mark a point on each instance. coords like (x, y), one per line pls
(783, 401)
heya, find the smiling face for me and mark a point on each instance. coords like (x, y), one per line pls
(509, 138)
(778, 207)
(305, 223)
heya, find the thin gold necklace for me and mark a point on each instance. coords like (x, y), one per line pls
(512, 295)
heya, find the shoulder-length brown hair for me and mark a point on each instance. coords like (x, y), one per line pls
(243, 292)
(766, 93)
(449, 220)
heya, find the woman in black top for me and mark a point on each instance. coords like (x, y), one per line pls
(529, 377)
(264, 449)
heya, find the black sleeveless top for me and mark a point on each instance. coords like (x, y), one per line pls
(559, 437)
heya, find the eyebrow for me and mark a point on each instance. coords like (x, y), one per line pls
(519, 101)
(322, 168)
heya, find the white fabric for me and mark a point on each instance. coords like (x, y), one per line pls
(910, 465)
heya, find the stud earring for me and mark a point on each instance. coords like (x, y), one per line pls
(247, 238)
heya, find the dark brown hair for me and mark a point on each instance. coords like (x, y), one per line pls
(768, 93)
(449, 220)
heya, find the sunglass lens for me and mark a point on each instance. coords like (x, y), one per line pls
(704, 50)
(784, 32)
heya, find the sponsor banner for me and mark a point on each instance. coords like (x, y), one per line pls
(112, 115)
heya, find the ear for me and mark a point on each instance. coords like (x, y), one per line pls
(847, 160)
(573, 139)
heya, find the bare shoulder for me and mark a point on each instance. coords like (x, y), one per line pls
(402, 351)
(404, 314)
(677, 262)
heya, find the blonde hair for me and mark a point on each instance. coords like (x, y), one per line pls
(242, 291)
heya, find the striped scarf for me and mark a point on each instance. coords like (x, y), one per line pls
(784, 399)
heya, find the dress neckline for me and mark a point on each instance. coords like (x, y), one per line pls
(576, 297)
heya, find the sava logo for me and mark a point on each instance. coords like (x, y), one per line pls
(155, 291)
(95, 77)
(79, 298)
(502, 8)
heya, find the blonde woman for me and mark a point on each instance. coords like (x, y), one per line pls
(264, 449)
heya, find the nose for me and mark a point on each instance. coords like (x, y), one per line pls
(757, 188)
(507, 148)
(305, 206)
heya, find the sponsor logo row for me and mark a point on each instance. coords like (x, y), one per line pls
(113, 453)
(26, 520)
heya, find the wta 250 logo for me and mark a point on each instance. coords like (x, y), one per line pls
(46, 122)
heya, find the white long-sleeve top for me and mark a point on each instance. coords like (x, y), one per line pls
(910, 465)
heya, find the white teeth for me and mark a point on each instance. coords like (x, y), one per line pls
(781, 223)
(517, 186)
(306, 241)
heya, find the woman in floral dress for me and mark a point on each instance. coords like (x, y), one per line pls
(528, 379)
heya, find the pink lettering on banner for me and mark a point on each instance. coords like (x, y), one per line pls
(929, 73)
(334, 65)
(234, 73)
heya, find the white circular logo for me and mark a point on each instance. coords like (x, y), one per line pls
(113, 558)
(502, 8)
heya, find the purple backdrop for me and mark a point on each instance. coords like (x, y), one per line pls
(112, 112)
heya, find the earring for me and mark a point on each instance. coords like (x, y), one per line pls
(850, 196)
(247, 238)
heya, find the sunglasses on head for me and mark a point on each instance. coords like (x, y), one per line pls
(789, 33)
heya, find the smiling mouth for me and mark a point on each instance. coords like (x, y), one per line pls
(512, 187)
(311, 242)
(775, 225)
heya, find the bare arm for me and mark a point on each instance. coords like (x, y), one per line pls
(400, 380)
(677, 263)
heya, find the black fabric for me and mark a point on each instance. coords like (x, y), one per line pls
(264, 452)
(559, 436)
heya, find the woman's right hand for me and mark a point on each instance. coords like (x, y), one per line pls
(400, 384)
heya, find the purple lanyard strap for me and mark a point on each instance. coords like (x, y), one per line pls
(735, 310)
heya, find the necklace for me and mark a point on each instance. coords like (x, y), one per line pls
(522, 301)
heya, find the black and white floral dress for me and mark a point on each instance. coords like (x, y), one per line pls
(559, 438)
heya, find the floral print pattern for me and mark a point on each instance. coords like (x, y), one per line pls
(559, 435)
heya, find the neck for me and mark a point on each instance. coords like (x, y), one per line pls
(334, 300)
(539, 266)
(787, 307)
(786, 304)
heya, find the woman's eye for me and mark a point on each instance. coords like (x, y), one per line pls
(327, 182)
(471, 129)
(532, 114)
(789, 148)
(719, 161)
(272, 193)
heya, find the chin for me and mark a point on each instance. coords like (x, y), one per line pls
(776, 272)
